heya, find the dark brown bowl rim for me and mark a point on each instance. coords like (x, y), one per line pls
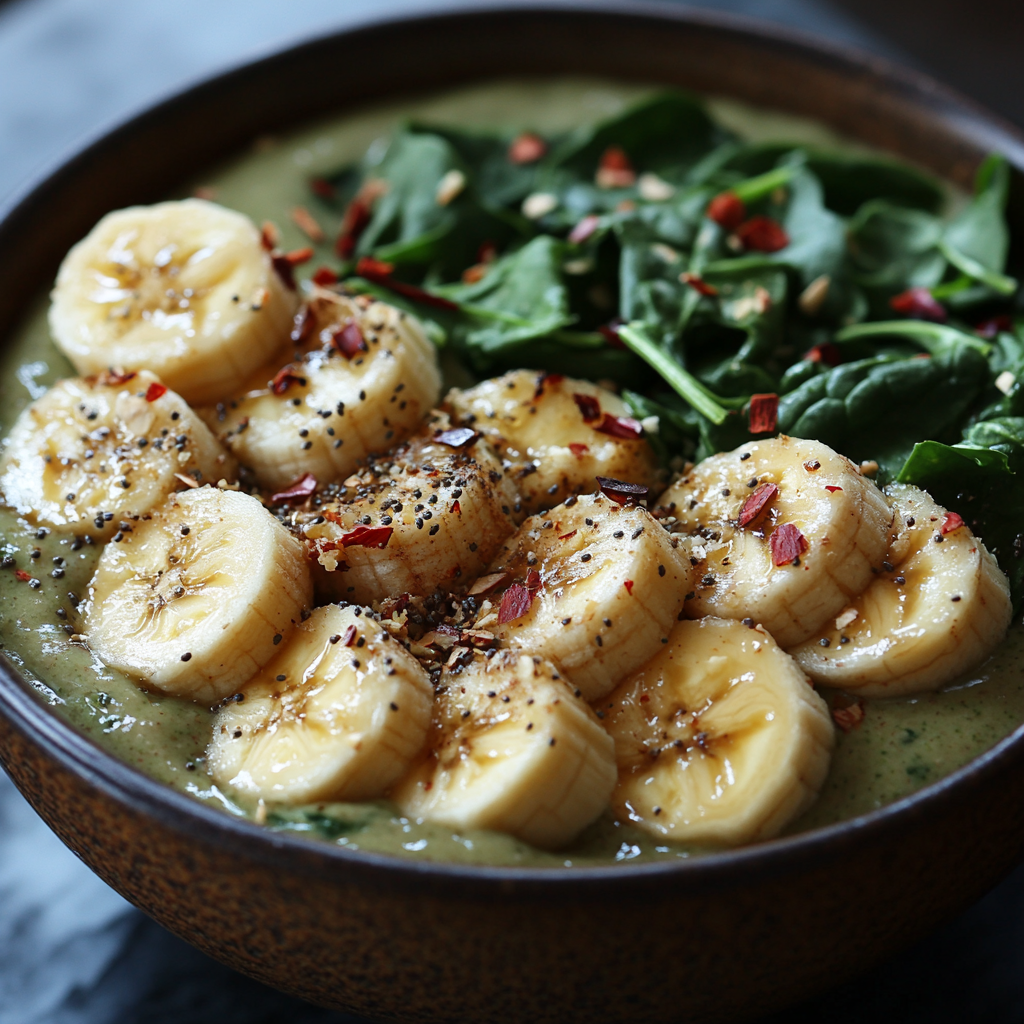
(75, 751)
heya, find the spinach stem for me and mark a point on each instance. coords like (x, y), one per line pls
(684, 383)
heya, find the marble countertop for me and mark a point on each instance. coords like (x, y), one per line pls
(71, 950)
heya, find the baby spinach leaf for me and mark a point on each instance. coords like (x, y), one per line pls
(666, 133)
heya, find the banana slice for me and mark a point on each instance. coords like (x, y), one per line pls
(513, 750)
(338, 714)
(194, 600)
(558, 433)
(361, 382)
(719, 738)
(790, 529)
(592, 586)
(938, 608)
(184, 289)
(93, 452)
(427, 516)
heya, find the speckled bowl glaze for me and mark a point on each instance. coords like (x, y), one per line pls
(716, 939)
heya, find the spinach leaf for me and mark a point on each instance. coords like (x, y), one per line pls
(984, 485)
(665, 133)
(878, 408)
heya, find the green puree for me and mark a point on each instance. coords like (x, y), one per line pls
(900, 746)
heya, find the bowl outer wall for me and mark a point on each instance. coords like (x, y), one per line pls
(711, 940)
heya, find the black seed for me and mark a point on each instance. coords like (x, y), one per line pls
(187, 656)
(661, 570)
(434, 529)
(600, 642)
(281, 678)
(637, 532)
(824, 641)
(956, 597)
(277, 639)
(618, 534)
(567, 620)
(335, 638)
(744, 456)
(185, 531)
(585, 557)
(900, 579)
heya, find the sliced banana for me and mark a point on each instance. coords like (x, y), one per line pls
(592, 586)
(790, 530)
(513, 750)
(938, 608)
(93, 452)
(194, 600)
(338, 714)
(719, 738)
(184, 289)
(427, 516)
(361, 382)
(559, 434)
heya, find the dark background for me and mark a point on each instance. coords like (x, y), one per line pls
(73, 952)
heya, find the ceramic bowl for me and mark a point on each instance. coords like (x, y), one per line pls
(719, 938)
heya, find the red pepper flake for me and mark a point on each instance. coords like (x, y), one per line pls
(832, 488)
(368, 537)
(584, 229)
(622, 491)
(323, 188)
(756, 503)
(826, 353)
(515, 603)
(848, 718)
(919, 304)
(348, 638)
(644, 698)
(764, 413)
(951, 523)
(547, 378)
(283, 269)
(302, 325)
(610, 334)
(270, 235)
(787, 543)
(324, 276)
(155, 390)
(487, 253)
(380, 273)
(301, 489)
(307, 223)
(762, 234)
(991, 327)
(728, 210)
(566, 536)
(284, 378)
(22, 575)
(486, 584)
(589, 406)
(115, 377)
(349, 340)
(698, 284)
(456, 507)
(296, 257)
(614, 169)
(620, 426)
(533, 581)
(474, 273)
(357, 216)
(457, 437)
(628, 584)
(579, 450)
(527, 148)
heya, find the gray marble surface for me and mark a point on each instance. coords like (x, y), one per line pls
(71, 950)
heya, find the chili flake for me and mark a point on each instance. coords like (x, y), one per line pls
(614, 169)
(919, 304)
(762, 234)
(698, 284)
(589, 406)
(756, 503)
(826, 352)
(527, 148)
(115, 377)
(22, 575)
(628, 584)
(515, 603)
(620, 426)
(579, 450)
(379, 272)
(832, 488)
(848, 718)
(764, 412)
(349, 340)
(301, 488)
(155, 391)
(368, 537)
(787, 543)
(284, 378)
(324, 276)
(727, 209)
(621, 491)
(951, 522)
(584, 229)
